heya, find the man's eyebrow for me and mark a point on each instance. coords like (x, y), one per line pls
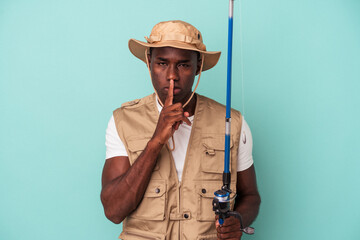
(162, 59)
(184, 61)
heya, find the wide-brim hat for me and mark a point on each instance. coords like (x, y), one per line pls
(177, 34)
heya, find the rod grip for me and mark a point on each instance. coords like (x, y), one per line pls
(226, 181)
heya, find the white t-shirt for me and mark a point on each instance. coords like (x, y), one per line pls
(115, 147)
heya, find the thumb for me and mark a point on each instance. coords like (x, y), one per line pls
(217, 224)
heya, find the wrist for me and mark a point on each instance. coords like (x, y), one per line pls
(155, 143)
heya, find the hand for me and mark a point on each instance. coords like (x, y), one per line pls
(171, 116)
(230, 229)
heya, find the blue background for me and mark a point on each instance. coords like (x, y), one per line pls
(65, 65)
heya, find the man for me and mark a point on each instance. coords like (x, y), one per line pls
(165, 152)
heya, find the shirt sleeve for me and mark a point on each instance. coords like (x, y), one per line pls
(245, 158)
(114, 146)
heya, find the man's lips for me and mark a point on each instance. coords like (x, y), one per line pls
(176, 90)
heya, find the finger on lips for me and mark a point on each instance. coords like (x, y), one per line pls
(176, 108)
(170, 96)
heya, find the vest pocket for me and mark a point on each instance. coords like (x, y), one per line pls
(152, 206)
(205, 191)
(212, 159)
(136, 145)
(140, 235)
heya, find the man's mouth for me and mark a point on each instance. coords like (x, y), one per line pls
(176, 90)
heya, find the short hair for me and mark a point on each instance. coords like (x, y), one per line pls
(197, 53)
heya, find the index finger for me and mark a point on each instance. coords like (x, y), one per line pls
(170, 96)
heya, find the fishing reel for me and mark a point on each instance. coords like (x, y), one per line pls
(222, 207)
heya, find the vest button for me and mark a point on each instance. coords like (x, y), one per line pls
(157, 190)
(203, 190)
(186, 215)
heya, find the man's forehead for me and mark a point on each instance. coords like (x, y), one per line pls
(177, 53)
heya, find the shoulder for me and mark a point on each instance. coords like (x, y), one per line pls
(211, 104)
(135, 108)
(130, 103)
(138, 102)
(133, 104)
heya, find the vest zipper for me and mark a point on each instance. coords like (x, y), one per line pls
(178, 197)
(191, 136)
(178, 202)
(173, 169)
(186, 159)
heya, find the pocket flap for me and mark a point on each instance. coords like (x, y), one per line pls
(137, 144)
(135, 234)
(215, 141)
(152, 205)
(213, 147)
(156, 188)
(208, 189)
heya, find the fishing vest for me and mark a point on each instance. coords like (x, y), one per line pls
(171, 209)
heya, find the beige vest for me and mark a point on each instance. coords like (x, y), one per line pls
(171, 209)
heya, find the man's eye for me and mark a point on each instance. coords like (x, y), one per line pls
(184, 65)
(161, 63)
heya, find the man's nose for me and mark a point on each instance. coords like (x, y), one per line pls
(172, 73)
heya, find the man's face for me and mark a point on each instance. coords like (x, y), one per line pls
(172, 63)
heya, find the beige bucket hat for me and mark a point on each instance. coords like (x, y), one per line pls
(177, 34)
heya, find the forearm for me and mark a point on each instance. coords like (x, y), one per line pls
(122, 195)
(248, 207)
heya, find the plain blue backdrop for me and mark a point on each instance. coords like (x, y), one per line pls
(65, 66)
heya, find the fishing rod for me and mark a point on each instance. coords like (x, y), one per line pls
(222, 200)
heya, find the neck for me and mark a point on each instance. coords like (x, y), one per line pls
(190, 107)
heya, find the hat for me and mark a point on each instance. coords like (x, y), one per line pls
(177, 34)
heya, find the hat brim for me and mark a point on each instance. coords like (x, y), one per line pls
(138, 48)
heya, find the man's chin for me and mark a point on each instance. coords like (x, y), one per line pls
(177, 99)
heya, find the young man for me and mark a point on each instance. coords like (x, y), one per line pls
(165, 152)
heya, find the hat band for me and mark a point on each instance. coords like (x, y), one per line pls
(176, 37)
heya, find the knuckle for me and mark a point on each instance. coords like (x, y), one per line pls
(222, 236)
